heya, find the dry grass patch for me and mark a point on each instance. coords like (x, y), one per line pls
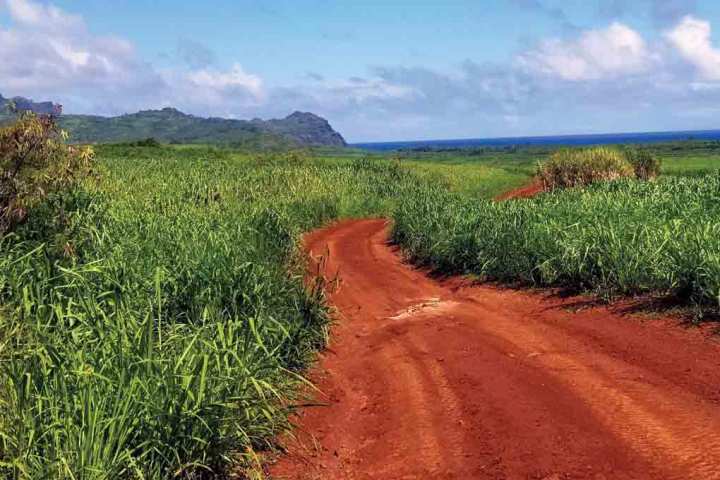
(577, 168)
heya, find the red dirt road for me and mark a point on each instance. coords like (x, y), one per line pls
(526, 191)
(428, 379)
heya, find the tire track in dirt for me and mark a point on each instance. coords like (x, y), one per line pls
(437, 379)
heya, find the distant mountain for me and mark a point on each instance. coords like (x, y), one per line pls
(23, 104)
(305, 128)
(173, 126)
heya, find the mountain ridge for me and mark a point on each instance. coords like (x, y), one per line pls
(170, 125)
(26, 104)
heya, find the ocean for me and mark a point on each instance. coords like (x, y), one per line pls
(560, 140)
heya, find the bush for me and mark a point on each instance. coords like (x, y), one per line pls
(575, 168)
(646, 165)
(149, 142)
(35, 162)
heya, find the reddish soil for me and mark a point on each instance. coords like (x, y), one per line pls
(440, 379)
(526, 191)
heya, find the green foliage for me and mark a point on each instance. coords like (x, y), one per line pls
(622, 237)
(570, 168)
(34, 164)
(646, 165)
(170, 342)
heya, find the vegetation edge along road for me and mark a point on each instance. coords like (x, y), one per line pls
(154, 322)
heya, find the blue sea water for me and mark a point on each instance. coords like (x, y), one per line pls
(559, 140)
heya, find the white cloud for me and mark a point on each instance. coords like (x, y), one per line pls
(49, 54)
(231, 80)
(361, 90)
(596, 54)
(76, 57)
(229, 93)
(47, 50)
(692, 39)
(354, 96)
(28, 13)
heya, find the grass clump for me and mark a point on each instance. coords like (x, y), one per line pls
(645, 164)
(570, 168)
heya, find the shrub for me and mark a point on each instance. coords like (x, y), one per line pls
(35, 162)
(574, 168)
(147, 142)
(646, 165)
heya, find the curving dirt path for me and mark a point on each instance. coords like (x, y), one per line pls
(429, 379)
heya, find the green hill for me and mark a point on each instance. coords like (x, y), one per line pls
(169, 125)
(172, 126)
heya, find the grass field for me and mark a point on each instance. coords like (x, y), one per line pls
(623, 237)
(163, 330)
(487, 172)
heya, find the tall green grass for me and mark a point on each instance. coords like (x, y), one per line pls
(622, 237)
(162, 331)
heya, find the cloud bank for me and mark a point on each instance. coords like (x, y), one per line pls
(48, 53)
(597, 54)
(602, 79)
(692, 40)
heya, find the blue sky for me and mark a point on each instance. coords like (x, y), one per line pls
(378, 70)
(336, 38)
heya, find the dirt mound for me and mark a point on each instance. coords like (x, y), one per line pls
(526, 191)
(435, 379)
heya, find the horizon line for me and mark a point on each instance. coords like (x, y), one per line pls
(535, 137)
